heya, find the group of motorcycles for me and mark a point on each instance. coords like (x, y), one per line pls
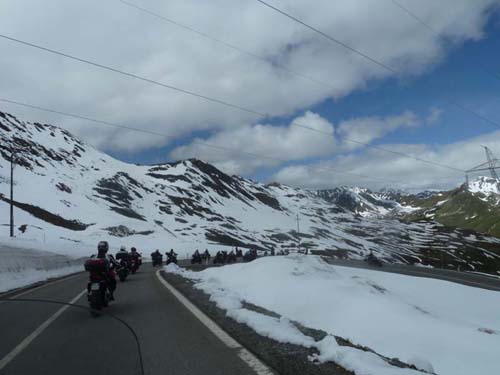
(157, 258)
(102, 282)
(224, 257)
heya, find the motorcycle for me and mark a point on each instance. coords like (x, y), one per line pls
(98, 294)
(171, 258)
(250, 255)
(219, 258)
(134, 265)
(157, 261)
(123, 270)
(196, 259)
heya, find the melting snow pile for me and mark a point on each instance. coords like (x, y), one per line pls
(24, 264)
(437, 326)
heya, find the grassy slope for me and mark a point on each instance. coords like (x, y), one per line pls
(461, 209)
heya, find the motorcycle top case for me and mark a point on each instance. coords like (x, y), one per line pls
(96, 265)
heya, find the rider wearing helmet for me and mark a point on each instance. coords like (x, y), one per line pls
(102, 253)
(123, 254)
(135, 255)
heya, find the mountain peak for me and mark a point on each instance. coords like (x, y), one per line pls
(484, 185)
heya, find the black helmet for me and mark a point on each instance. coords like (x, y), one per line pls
(103, 247)
(133, 249)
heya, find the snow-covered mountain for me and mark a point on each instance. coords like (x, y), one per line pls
(485, 186)
(360, 201)
(68, 191)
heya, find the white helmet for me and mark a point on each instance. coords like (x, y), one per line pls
(123, 248)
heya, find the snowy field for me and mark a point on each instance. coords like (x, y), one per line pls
(24, 263)
(438, 326)
(37, 256)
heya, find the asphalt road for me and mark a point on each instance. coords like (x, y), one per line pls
(173, 340)
(463, 278)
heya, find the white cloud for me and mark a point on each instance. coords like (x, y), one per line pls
(434, 116)
(116, 35)
(308, 136)
(395, 171)
(367, 129)
(268, 145)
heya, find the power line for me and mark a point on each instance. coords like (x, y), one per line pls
(419, 20)
(371, 59)
(220, 148)
(436, 33)
(375, 147)
(115, 70)
(214, 100)
(226, 44)
(331, 38)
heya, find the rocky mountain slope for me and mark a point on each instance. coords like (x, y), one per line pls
(69, 191)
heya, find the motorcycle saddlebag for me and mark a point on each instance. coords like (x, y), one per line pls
(96, 265)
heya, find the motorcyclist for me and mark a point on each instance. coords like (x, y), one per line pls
(219, 258)
(239, 253)
(171, 256)
(102, 253)
(231, 257)
(134, 255)
(196, 257)
(206, 255)
(123, 254)
(157, 258)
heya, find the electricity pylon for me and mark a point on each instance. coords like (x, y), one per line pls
(491, 165)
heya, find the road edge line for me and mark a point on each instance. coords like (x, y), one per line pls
(244, 354)
(23, 290)
(33, 335)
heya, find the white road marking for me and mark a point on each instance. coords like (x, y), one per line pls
(29, 339)
(251, 360)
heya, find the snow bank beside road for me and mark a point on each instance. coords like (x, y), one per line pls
(438, 326)
(21, 266)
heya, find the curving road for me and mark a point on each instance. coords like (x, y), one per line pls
(39, 338)
(464, 278)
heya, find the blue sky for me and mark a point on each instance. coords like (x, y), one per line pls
(462, 76)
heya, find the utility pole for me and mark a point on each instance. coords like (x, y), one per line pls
(12, 191)
(298, 233)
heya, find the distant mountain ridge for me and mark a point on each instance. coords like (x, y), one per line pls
(476, 206)
(68, 190)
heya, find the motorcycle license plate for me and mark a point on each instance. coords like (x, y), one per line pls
(95, 286)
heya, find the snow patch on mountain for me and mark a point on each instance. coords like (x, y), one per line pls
(486, 186)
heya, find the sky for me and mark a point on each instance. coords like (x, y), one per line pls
(326, 116)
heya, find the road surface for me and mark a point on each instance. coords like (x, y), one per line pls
(173, 341)
(463, 278)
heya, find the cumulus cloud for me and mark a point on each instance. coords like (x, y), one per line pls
(264, 145)
(367, 129)
(308, 136)
(394, 171)
(114, 34)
